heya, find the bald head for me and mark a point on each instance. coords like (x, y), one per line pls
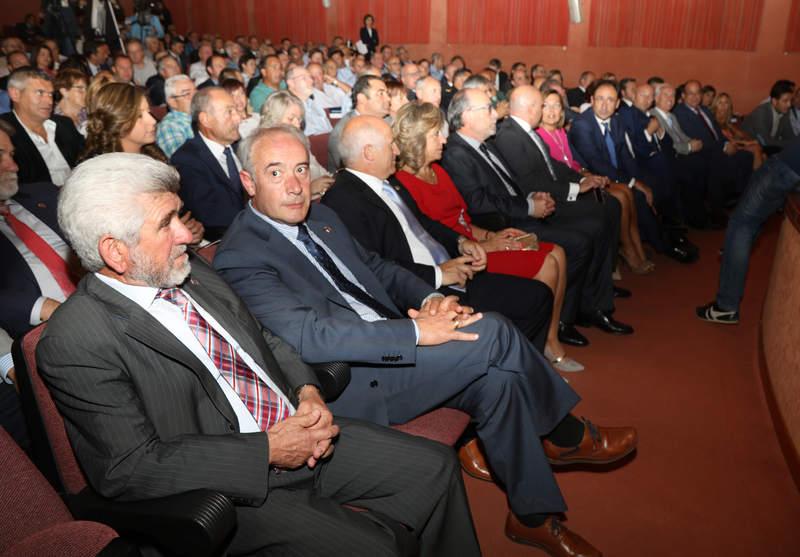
(643, 97)
(366, 146)
(526, 103)
(429, 90)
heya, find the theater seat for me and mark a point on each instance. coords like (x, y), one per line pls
(196, 523)
(158, 112)
(33, 520)
(319, 148)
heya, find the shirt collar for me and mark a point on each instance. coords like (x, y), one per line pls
(628, 102)
(374, 183)
(287, 230)
(602, 122)
(474, 143)
(142, 296)
(49, 126)
(217, 149)
(664, 114)
(522, 123)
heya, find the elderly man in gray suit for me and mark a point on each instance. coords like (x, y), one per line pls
(303, 275)
(170, 385)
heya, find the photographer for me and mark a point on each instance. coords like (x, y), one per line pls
(144, 23)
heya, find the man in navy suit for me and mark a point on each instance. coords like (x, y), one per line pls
(305, 277)
(601, 144)
(729, 168)
(210, 184)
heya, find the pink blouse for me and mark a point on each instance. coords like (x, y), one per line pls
(559, 146)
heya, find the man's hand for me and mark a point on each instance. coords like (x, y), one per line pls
(296, 441)
(12, 376)
(543, 205)
(695, 145)
(591, 182)
(320, 186)
(48, 307)
(195, 227)
(440, 303)
(476, 251)
(457, 271)
(645, 189)
(730, 148)
(653, 126)
(310, 401)
(443, 326)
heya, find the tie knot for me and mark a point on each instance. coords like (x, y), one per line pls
(484, 148)
(173, 295)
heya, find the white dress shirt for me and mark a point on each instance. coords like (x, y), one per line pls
(51, 154)
(574, 188)
(198, 73)
(317, 121)
(171, 317)
(218, 150)
(44, 278)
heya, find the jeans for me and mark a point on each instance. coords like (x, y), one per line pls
(766, 193)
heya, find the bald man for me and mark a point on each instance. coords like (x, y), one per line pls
(429, 90)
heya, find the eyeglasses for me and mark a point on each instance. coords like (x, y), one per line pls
(79, 87)
(488, 107)
(181, 95)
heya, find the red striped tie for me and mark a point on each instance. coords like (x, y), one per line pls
(263, 403)
(40, 248)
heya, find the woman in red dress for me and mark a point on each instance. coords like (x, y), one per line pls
(418, 134)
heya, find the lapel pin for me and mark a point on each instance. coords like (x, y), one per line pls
(42, 205)
(327, 229)
(193, 282)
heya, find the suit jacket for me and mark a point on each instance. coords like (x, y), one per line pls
(576, 97)
(18, 287)
(286, 291)
(207, 83)
(675, 137)
(759, 124)
(144, 416)
(528, 164)
(206, 190)
(374, 225)
(155, 90)
(636, 123)
(488, 201)
(693, 126)
(32, 167)
(589, 148)
(503, 82)
(371, 42)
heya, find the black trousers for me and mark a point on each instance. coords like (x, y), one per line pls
(405, 484)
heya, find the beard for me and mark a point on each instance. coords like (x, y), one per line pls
(8, 185)
(148, 271)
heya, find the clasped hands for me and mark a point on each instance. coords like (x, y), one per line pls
(440, 318)
(461, 269)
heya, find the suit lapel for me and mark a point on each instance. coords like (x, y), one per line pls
(212, 163)
(29, 152)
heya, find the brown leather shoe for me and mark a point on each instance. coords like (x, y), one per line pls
(552, 537)
(600, 445)
(473, 461)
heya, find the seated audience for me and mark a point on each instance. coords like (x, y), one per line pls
(329, 92)
(48, 144)
(122, 68)
(42, 59)
(722, 109)
(176, 127)
(15, 60)
(429, 90)
(284, 109)
(248, 121)
(167, 67)
(248, 65)
(419, 133)
(215, 65)
(398, 98)
(577, 96)
(209, 169)
(197, 71)
(794, 113)
(409, 75)
(768, 122)
(765, 194)
(331, 299)
(271, 81)
(96, 53)
(371, 98)
(300, 84)
(71, 86)
(709, 93)
(495, 201)
(168, 435)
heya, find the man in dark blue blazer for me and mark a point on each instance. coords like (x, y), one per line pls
(302, 275)
(729, 168)
(210, 185)
(602, 145)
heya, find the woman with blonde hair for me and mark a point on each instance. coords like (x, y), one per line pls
(283, 108)
(419, 135)
(722, 109)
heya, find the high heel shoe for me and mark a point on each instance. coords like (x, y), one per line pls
(644, 268)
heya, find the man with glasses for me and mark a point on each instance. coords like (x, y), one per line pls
(301, 85)
(176, 127)
(46, 144)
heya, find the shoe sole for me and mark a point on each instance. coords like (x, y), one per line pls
(559, 462)
(523, 541)
(476, 476)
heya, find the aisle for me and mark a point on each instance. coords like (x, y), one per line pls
(709, 478)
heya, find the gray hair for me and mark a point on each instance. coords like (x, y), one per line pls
(201, 101)
(19, 78)
(101, 197)
(660, 87)
(352, 144)
(162, 61)
(275, 107)
(247, 145)
(171, 84)
(476, 81)
(455, 112)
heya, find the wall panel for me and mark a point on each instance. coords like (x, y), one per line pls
(544, 22)
(793, 28)
(301, 20)
(398, 22)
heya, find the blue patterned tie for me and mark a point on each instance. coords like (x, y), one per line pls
(612, 150)
(233, 172)
(436, 249)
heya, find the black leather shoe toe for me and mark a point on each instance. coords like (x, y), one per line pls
(608, 324)
(620, 292)
(568, 334)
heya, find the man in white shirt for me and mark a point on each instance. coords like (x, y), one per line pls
(329, 92)
(143, 67)
(300, 84)
(197, 71)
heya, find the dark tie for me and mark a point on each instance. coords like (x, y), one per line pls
(497, 168)
(341, 281)
(612, 150)
(263, 403)
(707, 123)
(545, 153)
(437, 250)
(233, 172)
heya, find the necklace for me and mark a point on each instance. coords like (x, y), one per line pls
(557, 140)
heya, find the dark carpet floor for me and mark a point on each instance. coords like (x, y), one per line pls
(709, 477)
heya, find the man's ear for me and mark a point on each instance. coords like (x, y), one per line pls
(368, 153)
(114, 253)
(248, 183)
(14, 94)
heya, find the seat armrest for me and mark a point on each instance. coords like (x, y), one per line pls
(333, 377)
(196, 523)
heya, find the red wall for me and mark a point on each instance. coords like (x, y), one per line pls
(747, 75)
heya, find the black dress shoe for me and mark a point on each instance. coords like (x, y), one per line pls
(604, 322)
(620, 292)
(682, 254)
(568, 334)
